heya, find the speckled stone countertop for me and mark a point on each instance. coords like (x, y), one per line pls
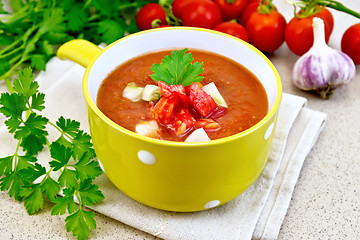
(326, 199)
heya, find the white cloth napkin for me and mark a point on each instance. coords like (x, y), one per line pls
(256, 214)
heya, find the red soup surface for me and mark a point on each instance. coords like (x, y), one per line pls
(244, 94)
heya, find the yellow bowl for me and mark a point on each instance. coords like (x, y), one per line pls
(177, 176)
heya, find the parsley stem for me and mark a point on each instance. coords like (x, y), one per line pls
(16, 157)
(13, 68)
(10, 46)
(128, 5)
(11, 52)
(76, 193)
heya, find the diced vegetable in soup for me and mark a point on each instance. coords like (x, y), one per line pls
(183, 95)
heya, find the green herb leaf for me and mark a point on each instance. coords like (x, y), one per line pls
(68, 178)
(37, 101)
(50, 188)
(33, 198)
(38, 61)
(25, 84)
(60, 154)
(90, 193)
(110, 30)
(82, 144)
(6, 165)
(79, 223)
(13, 183)
(177, 69)
(13, 105)
(76, 18)
(32, 173)
(65, 202)
(72, 154)
(86, 168)
(68, 126)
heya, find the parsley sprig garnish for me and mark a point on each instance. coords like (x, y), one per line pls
(177, 69)
(67, 176)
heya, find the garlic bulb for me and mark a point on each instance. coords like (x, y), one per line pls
(322, 68)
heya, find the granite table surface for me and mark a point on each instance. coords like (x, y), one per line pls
(326, 200)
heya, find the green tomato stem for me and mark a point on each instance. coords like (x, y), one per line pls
(338, 6)
(170, 18)
(266, 7)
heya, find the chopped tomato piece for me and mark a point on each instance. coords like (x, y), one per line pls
(201, 101)
(171, 90)
(168, 90)
(183, 122)
(164, 109)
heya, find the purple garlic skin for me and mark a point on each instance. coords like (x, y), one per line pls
(322, 68)
(313, 71)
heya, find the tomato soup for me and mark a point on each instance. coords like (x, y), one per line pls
(244, 94)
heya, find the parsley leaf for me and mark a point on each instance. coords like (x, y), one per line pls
(68, 126)
(65, 203)
(87, 168)
(177, 69)
(6, 165)
(110, 30)
(68, 178)
(33, 198)
(90, 192)
(25, 84)
(50, 188)
(79, 223)
(76, 17)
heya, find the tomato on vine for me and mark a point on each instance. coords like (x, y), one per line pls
(350, 42)
(299, 34)
(233, 28)
(150, 14)
(201, 13)
(266, 27)
(231, 9)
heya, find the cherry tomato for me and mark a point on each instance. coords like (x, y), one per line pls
(324, 14)
(204, 14)
(148, 13)
(178, 5)
(350, 42)
(252, 7)
(231, 9)
(299, 35)
(234, 29)
(248, 10)
(266, 31)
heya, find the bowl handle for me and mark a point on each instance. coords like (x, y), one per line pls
(79, 51)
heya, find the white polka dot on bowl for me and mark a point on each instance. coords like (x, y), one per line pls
(211, 204)
(146, 157)
(269, 131)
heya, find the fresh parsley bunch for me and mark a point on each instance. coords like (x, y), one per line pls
(70, 171)
(29, 34)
